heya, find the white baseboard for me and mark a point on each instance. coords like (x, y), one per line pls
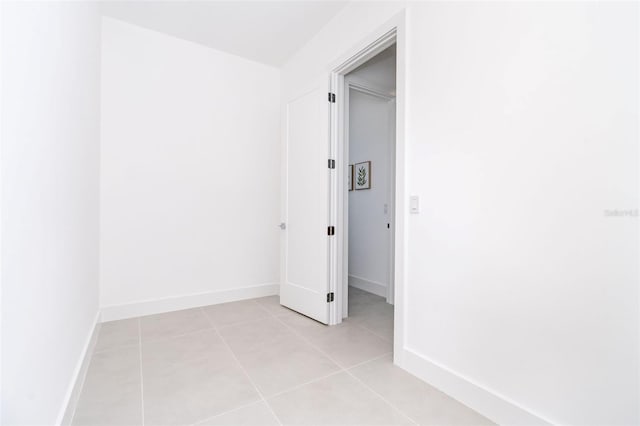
(79, 374)
(490, 404)
(369, 286)
(176, 303)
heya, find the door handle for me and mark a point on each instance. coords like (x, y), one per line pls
(282, 226)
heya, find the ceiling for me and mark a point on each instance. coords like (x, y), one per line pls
(264, 31)
(380, 71)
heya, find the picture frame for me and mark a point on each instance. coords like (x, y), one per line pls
(350, 178)
(362, 175)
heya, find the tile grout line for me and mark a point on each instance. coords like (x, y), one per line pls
(372, 332)
(201, 309)
(245, 373)
(164, 339)
(260, 394)
(279, 317)
(233, 324)
(317, 379)
(346, 370)
(233, 410)
(340, 367)
(301, 385)
(141, 375)
(201, 330)
(369, 360)
(211, 325)
(255, 300)
(309, 342)
(383, 398)
(354, 323)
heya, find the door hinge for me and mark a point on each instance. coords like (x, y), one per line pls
(332, 98)
(332, 164)
(331, 230)
(330, 297)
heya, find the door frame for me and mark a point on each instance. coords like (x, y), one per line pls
(392, 32)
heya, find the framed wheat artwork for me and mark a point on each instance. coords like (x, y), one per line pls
(362, 175)
(350, 178)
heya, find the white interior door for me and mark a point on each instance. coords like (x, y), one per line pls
(305, 269)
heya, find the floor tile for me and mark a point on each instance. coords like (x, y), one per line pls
(257, 414)
(347, 344)
(380, 326)
(195, 390)
(274, 357)
(273, 306)
(234, 312)
(251, 336)
(173, 324)
(115, 334)
(111, 394)
(420, 401)
(336, 400)
(280, 367)
(355, 292)
(378, 319)
(194, 367)
(307, 327)
(164, 354)
(361, 302)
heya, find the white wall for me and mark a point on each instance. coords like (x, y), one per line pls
(370, 139)
(190, 174)
(50, 137)
(521, 296)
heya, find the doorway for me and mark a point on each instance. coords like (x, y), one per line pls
(369, 138)
(346, 82)
(315, 243)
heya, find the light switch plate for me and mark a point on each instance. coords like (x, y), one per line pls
(414, 204)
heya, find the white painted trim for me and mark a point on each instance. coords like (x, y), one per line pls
(392, 200)
(365, 87)
(187, 301)
(77, 381)
(369, 286)
(491, 404)
(2, 142)
(400, 215)
(374, 43)
(342, 164)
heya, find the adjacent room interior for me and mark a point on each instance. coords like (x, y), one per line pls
(370, 98)
(211, 213)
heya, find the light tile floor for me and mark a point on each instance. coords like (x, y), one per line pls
(257, 363)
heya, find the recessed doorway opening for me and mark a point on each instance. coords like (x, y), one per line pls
(367, 141)
(370, 138)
